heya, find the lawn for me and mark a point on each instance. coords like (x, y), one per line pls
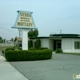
(4, 47)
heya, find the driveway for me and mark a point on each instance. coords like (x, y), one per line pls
(60, 67)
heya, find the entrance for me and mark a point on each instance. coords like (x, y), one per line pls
(56, 44)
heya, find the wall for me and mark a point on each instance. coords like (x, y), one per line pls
(51, 44)
(76, 50)
(68, 45)
(45, 43)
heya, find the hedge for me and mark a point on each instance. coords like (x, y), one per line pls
(38, 43)
(32, 48)
(28, 55)
(13, 48)
(10, 49)
(59, 51)
(41, 48)
(30, 43)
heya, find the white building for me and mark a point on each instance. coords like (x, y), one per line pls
(66, 42)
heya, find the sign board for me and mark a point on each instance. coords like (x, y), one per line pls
(24, 20)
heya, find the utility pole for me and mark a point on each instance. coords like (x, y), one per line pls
(20, 33)
(60, 31)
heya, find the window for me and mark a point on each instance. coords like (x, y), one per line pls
(77, 45)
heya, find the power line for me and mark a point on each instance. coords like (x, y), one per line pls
(4, 35)
(7, 30)
(8, 33)
(5, 24)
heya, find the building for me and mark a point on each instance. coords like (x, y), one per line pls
(66, 42)
(18, 42)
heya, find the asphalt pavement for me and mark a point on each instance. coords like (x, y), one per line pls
(60, 67)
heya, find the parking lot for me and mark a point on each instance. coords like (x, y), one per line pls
(60, 67)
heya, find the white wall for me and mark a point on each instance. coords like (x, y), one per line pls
(45, 43)
(77, 50)
(68, 45)
(51, 44)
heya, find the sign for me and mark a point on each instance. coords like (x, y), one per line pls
(25, 20)
(24, 23)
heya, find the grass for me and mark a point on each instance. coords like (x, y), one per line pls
(4, 47)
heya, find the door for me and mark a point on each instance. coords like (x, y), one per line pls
(56, 44)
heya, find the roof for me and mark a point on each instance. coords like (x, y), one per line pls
(58, 36)
(19, 39)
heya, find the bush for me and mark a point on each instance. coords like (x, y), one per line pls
(32, 48)
(10, 49)
(18, 48)
(2, 51)
(41, 48)
(14, 48)
(59, 51)
(30, 43)
(38, 43)
(28, 55)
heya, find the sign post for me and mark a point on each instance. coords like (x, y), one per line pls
(25, 23)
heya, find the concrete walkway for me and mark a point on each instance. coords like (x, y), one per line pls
(8, 72)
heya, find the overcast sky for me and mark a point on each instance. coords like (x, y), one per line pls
(50, 16)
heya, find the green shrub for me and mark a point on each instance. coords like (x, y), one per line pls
(7, 49)
(14, 48)
(38, 43)
(59, 51)
(32, 48)
(10, 49)
(41, 48)
(2, 51)
(30, 43)
(18, 48)
(28, 55)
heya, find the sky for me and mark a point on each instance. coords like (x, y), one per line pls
(50, 16)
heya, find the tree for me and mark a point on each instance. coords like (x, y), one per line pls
(38, 43)
(1, 40)
(51, 35)
(12, 39)
(4, 40)
(30, 43)
(33, 33)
